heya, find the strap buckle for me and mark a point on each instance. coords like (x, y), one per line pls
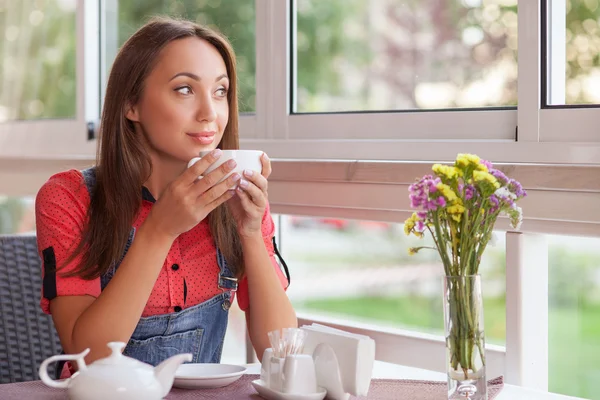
(227, 283)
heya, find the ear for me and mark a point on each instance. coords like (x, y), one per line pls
(132, 113)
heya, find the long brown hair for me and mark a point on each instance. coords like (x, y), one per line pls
(122, 163)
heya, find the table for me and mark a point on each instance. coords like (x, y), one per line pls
(382, 370)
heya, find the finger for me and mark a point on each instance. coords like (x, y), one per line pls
(259, 180)
(213, 193)
(245, 200)
(266, 165)
(256, 195)
(211, 179)
(221, 199)
(200, 166)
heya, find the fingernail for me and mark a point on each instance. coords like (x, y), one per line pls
(265, 156)
(235, 177)
(217, 153)
(248, 172)
(231, 192)
(244, 183)
(231, 163)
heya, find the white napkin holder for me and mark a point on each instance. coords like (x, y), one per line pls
(343, 360)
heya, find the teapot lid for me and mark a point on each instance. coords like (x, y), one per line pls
(117, 358)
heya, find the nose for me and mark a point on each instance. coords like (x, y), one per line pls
(206, 109)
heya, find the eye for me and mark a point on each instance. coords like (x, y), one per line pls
(186, 90)
(222, 91)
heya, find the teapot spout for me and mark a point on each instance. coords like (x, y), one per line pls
(165, 371)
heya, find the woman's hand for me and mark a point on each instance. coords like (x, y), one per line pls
(248, 206)
(188, 200)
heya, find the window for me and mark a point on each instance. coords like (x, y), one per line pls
(362, 271)
(17, 215)
(235, 19)
(574, 315)
(357, 55)
(37, 73)
(573, 46)
(571, 68)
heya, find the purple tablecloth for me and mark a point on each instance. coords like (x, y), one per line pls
(381, 389)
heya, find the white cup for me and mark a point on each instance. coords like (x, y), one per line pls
(299, 376)
(245, 159)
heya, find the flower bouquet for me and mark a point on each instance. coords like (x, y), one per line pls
(459, 205)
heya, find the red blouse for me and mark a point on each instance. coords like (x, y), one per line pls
(61, 207)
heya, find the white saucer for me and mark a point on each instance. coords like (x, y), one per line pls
(270, 394)
(202, 376)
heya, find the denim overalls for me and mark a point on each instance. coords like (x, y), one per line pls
(199, 330)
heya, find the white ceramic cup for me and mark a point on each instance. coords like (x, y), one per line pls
(299, 376)
(245, 159)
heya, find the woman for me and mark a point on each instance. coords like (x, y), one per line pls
(137, 249)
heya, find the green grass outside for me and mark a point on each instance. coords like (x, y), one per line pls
(574, 332)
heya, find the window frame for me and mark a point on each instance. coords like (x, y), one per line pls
(528, 134)
(555, 117)
(64, 138)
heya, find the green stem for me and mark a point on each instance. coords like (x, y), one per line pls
(441, 245)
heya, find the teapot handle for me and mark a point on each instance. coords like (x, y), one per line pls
(67, 357)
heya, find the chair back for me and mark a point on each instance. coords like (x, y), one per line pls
(27, 335)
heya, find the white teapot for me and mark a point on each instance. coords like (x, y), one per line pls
(116, 377)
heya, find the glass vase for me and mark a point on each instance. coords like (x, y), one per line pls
(465, 338)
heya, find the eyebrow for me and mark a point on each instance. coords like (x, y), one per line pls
(196, 77)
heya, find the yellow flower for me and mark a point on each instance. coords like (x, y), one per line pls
(447, 192)
(456, 209)
(481, 167)
(464, 160)
(409, 224)
(486, 177)
(446, 171)
(412, 251)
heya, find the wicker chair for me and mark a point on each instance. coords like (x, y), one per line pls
(27, 335)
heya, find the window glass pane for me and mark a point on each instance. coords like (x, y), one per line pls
(361, 271)
(574, 64)
(235, 19)
(17, 215)
(404, 55)
(574, 316)
(37, 72)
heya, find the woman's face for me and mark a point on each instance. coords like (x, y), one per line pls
(183, 108)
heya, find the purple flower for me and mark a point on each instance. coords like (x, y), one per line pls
(422, 214)
(469, 192)
(441, 201)
(432, 205)
(515, 187)
(495, 203)
(503, 179)
(420, 226)
(420, 192)
(486, 163)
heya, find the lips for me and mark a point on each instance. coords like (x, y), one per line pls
(205, 137)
